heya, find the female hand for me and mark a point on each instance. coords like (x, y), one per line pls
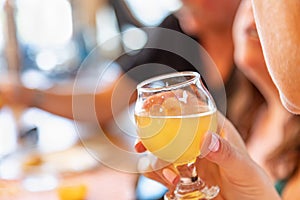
(225, 164)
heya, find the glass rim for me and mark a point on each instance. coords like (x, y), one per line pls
(195, 76)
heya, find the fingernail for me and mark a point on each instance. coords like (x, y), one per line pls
(171, 176)
(139, 147)
(214, 143)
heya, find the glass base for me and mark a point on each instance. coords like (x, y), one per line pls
(193, 191)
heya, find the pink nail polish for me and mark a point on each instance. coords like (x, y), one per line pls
(214, 143)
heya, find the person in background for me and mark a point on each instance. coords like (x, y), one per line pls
(210, 24)
(207, 22)
(273, 141)
(197, 20)
(58, 99)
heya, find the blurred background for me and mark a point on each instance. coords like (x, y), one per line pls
(54, 36)
(44, 42)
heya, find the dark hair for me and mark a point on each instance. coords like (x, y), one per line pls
(284, 162)
(243, 103)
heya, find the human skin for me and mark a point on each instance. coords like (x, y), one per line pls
(226, 164)
(279, 31)
(268, 130)
(211, 22)
(60, 99)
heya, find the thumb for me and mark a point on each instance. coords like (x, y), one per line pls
(229, 158)
(239, 170)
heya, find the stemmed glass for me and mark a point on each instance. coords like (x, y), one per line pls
(172, 113)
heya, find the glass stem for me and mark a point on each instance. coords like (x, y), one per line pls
(190, 184)
(188, 173)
